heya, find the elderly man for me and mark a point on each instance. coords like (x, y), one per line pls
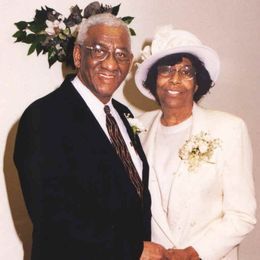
(82, 170)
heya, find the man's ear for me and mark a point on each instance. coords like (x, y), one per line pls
(131, 62)
(77, 56)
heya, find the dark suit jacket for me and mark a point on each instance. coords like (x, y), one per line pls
(79, 197)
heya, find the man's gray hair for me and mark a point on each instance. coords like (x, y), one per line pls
(104, 18)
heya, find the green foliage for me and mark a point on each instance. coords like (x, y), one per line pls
(115, 10)
(132, 32)
(127, 19)
(50, 32)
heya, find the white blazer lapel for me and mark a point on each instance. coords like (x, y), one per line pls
(148, 142)
(197, 126)
(199, 122)
(177, 190)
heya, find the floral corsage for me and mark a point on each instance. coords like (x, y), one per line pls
(198, 149)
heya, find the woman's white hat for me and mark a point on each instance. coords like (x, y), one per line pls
(170, 41)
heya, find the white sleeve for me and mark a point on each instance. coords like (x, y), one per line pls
(239, 204)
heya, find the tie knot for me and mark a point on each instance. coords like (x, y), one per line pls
(107, 109)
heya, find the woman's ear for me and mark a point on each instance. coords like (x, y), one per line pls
(77, 56)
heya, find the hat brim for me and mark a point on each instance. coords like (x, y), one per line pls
(207, 55)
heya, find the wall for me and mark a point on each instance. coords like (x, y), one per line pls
(231, 27)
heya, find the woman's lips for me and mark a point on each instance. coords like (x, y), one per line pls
(173, 92)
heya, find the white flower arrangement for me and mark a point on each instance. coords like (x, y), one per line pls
(198, 149)
(52, 33)
(136, 125)
(146, 52)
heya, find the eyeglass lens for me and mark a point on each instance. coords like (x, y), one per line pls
(185, 72)
(100, 53)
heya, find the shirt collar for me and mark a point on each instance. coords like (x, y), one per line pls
(91, 100)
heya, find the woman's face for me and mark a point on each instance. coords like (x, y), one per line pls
(175, 87)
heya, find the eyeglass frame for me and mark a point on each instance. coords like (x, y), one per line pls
(91, 48)
(173, 71)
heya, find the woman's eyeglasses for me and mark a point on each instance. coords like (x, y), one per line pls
(186, 72)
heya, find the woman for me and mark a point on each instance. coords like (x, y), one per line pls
(203, 202)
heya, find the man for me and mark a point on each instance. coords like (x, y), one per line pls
(80, 197)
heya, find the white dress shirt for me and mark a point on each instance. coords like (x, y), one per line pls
(97, 108)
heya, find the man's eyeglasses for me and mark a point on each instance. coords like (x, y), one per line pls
(186, 72)
(100, 53)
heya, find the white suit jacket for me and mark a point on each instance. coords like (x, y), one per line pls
(213, 208)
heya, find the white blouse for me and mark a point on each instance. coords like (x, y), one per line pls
(168, 141)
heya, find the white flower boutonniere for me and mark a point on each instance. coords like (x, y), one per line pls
(199, 148)
(136, 125)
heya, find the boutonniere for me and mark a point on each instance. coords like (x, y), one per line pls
(136, 125)
(198, 149)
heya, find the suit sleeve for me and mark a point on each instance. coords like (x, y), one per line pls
(239, 203)
(28, 160)
(48, 189)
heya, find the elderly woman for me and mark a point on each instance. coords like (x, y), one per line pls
(201, 183)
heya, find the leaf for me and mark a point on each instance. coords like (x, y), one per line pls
(52, 57)
(20, 36)
(127, 19)
(49, 9)
(40, 16)
(21, 25)
(30, 38)
(40, 38)
(39, 49)
(32, 48)
(37, 27)
(115, 9)
(52, 60)
(62, 36)
(132, 32)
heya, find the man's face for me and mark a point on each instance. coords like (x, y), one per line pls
(99, 72)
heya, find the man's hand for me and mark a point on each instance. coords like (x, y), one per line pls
(153, 251)
(188, 253)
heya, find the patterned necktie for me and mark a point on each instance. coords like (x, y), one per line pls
(121, 149)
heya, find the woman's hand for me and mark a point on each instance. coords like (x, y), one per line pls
(153, 251)
(188, 253)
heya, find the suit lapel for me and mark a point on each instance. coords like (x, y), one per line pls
(122, 115)
(82, 116)
(134, 138)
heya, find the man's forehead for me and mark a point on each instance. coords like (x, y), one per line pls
(106, 33)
